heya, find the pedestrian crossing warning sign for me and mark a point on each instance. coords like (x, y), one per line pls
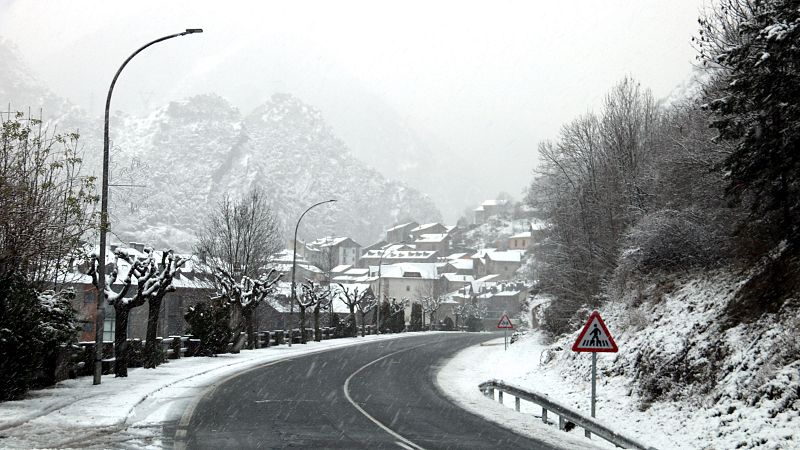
(505, 322)
(595, 337)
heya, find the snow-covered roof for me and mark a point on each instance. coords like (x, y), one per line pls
(330, 242)
(487, 278)
(425, 226)
(431, 238)
(455, 256)
(482, 252)
(456, 278)
(523, 235)
(401, 226)
(506, 256)
(341, 268)
(287, 267)
(425, 271)
(462, 264)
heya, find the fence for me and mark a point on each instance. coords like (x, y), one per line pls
(564, 413)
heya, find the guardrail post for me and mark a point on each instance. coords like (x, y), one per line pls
(491, 393)
(500, 397)
(561, 423)
(587, 433)
(516, 403)
(544, 415)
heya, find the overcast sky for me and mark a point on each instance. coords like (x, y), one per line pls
(478, 80)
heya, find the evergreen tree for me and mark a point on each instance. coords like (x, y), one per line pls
(752, 47)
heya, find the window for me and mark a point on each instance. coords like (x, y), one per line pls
(109, 326)
(408, 288)
(89, 296)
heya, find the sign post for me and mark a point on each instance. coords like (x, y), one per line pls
(594, 338)
(505, 324)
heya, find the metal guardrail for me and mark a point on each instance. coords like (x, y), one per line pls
(564, 413)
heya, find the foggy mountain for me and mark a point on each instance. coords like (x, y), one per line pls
(177, 162)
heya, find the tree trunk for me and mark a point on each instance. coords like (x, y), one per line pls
(302, 325)
(248, 315)
(363, 324)
(152, 354)
(317, 334)
(121, 314)
(355, 325)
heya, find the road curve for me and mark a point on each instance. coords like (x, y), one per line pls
(376, 395)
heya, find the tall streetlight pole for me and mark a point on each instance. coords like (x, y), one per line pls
(294, 265)
(104, 223)
(380, 264)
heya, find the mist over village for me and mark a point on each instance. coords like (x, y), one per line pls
(371, 225)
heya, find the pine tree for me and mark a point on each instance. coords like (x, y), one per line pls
(751, 45)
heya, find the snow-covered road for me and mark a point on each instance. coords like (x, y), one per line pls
(130, 412)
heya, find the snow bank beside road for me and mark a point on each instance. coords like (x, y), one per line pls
(131, 412)
(519, 365)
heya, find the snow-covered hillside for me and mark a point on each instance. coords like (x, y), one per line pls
(703, 379)
(170, 167)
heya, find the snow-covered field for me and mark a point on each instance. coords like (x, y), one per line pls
(130, 412)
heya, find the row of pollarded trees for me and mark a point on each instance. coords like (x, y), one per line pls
(640, 188)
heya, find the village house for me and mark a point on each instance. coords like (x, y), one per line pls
(397, 254)
(401, 232)
(502, 263)
(433, 242)
(488, 209)
(429, 228)
(329, 252)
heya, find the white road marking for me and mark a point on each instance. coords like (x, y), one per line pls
(346, 389)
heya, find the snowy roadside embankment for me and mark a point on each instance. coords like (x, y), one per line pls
(683, 377)
(519, 365)
(131, 412)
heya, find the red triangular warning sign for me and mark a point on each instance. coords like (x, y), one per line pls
(595, 337)
(505, 322)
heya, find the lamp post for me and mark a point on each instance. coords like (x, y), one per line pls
(380, 264)
(294, 265)
(104, 223)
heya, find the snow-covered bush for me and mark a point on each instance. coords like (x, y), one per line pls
(34, 327)
(209, 323)
(669, 240)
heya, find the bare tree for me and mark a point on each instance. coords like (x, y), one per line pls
(352, 296)
(240, 235)
(309, 297)
(244, 297)
(122, 306)
(368, 303)
(155, 289)
(323, 301)
(47, 205)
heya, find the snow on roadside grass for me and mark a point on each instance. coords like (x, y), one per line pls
(681, 380)
(460, 376)
(520, 365)
(130, 412)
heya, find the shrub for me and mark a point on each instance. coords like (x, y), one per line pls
(209, 323)
(34, 327)
(447, 324)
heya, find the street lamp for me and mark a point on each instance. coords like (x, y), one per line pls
(104, 223)
(294, 265)
(380, 264)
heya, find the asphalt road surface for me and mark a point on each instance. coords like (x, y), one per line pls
(376, 395)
